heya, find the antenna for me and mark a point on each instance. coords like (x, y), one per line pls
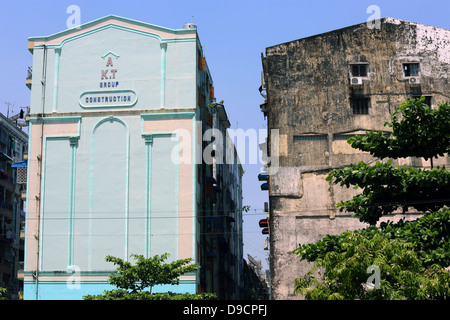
(190, 25)
(8, 104)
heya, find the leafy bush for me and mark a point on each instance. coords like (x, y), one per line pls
(411, 256)
(121, 294)
(429, 236)
(402, 274)
(3, 294)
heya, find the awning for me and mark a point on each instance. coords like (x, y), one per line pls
(263, 176)
(265, 186)
(263, 223)
(20, 164)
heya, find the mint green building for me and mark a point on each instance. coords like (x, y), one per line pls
(117, 115)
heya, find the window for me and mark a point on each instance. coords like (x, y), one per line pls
(360, 105)
(411, 69)
(427, 101)
(311, 137)
(359, 70)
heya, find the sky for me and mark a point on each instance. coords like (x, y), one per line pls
(234, 34)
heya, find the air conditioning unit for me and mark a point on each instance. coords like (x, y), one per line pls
(355, 80)
(414, 80)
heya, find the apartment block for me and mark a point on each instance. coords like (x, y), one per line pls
(13, 148)
(321, 90)
(118, 114)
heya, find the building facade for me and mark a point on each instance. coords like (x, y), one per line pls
(322, 90)
(222, 216)
(117, 118)
(13, 147)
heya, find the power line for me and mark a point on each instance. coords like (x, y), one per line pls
(144, 216)
(144, 235)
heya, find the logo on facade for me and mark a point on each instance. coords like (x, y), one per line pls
(109, 93)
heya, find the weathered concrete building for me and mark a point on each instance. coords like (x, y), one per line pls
(320, 91)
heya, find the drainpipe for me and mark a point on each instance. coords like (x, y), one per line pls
(39, 196)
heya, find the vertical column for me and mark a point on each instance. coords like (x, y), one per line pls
(148, 172)
(73, 146)
(55, 80)
(163, 75)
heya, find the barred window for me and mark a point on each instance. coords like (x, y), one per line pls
(360, 105)
(311, 137)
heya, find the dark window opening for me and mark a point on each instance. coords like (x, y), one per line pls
(360, 105)
(427, 101)
(359, 70)
(311, 137)
(411, 69)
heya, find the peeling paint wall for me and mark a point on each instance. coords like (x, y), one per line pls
(309, 92)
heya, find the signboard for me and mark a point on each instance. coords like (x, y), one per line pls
(110, 98)
(109, 94)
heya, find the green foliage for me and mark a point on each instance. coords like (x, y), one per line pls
(417, 130)
(135, 282)
(428, 235)
(387, 188)
(420, 131)
(214, 104)
(147, 273)
(3, 294)
(120, 294)
(342, 273)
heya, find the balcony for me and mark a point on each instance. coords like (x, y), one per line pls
(29, 77)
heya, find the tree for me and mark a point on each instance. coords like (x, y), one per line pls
(135, 282)
(421, 132)
(386, 188)
(411, 256)
(3, 294)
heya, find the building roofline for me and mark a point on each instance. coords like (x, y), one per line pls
(117, 18)
(383, 20)
(15, 130)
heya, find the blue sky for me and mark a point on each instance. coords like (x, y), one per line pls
(233, 33)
